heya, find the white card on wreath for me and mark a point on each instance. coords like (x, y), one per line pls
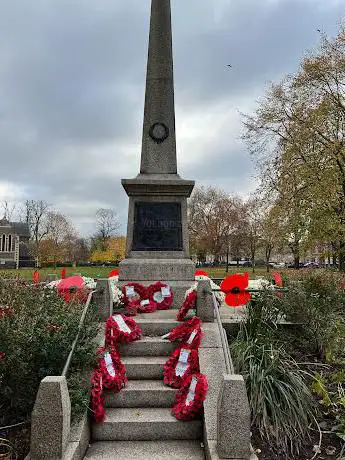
(165, 291)
(110, 365)
(180, 369)
(121, 323)
(184, 355)
(145, 302)
(191, 392)
(158, 297)
(192, 336)
(130, 291)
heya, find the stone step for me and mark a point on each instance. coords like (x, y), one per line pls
(144, 424)
(161, 314)
(145, 450)
(144, 367)
(148, 346)
(158, 327)
(142, 393)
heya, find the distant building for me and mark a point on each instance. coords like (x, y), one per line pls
(14, 238)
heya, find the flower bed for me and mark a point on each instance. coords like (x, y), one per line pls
(37, 329)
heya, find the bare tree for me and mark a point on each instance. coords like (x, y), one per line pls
(35, 213)
(107, 225)
(8, 209)
(254, 216)
(213, 217)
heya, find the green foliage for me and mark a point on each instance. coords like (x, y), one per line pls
(280, 400)
(35, 339)
(330, 389)
(317, 302)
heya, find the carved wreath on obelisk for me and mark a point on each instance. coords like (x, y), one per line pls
(159, 132)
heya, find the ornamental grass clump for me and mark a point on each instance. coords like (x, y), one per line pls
(281, 402)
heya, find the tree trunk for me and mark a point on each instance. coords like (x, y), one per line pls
(296, 261)
(294, 247)
(253, 257)
(268, 256)
(227, 260)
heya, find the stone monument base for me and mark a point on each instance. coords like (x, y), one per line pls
(178, 273)
(179, 289)
(157, 269)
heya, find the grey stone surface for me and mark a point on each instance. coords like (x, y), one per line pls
(204, 303)
(146, 450)
(166, 315)
(159, 97)
(50, 421)
(158, 181)
(211, 338)
(212, 454)
(157, 328)
(148, 346)
(144, 424)
(160, 185)
(81, 433)
(157, 269)
(103, 298)
(234, 412)
(146, 368)
(73, 451)
(142, 393)
(212, 364)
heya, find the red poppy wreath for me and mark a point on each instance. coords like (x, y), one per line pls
(132, 307)
(182, 362)
(111, 368)
(133, 292)
(189, 303)
(188, 332)
(190, 397)
(121, 329)
(147, 306)
(97, 397)
(161, 294)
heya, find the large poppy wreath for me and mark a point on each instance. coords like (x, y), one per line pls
(97, 397)
(161, 294)
(121, 329)
(189, 303)
(182, 362)
(188, 332)
(133, 292)
(111, 368)
(190, 397)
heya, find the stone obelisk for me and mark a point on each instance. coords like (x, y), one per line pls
(157, 233)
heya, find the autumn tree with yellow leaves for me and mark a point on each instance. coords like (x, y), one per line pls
(297, 136)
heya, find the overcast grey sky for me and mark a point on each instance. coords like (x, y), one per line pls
(72, 80)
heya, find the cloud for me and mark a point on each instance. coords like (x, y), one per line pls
(72, 81)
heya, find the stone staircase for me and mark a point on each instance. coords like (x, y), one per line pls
(138, 422)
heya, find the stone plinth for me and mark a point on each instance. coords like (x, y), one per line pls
(157, 246)
(50, 421)
(233, 430)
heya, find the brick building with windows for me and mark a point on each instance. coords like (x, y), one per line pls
(14, 238)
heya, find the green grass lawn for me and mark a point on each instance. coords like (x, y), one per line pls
(102, 272)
